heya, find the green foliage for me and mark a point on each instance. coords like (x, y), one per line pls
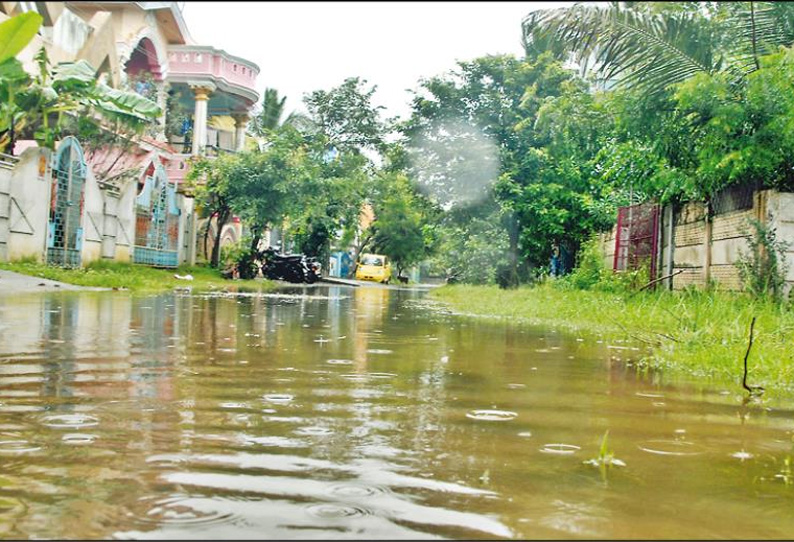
(742, 134)
(474, 253)
(591, 273)
(176, 112)
(259, 187)
(639, 45)
(763, 268)
(606, 457)
(268, 118)
(67, 99)
(240, 257)
(347, 117)
(400, 224)
(16, 33)
(520, 134)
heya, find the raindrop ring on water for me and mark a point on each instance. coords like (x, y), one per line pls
(17, 447)
(356, 490)
(69, 421)
(560, 449)
(334, 511)
(278, 397)
(491, 415)
(671, 447)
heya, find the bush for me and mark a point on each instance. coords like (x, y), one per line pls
(763, 269)
(239, 257)
(592, 274)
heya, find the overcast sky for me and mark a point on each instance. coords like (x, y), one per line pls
(305, 46)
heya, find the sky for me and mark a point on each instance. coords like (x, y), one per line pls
(305, 46)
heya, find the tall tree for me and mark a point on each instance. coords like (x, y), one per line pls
(269, 116)
(347, 116)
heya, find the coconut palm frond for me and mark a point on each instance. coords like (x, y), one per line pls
(759, 28)
(299, 121)
(633, 47)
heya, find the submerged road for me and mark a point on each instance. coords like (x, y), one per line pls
(17, 283)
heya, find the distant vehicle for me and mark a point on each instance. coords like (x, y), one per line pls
(374, 267)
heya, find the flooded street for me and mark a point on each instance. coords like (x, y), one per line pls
(338, 412)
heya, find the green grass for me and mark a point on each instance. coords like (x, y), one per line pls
(136, 278)
(700, 333)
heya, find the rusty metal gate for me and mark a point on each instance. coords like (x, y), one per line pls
(156, 221)
(637, 237)
(65, 232)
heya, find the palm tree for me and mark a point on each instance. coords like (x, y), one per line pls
(268, 118)
(651, 46)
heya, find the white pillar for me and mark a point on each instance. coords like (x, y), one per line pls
(200, 120)
(240, 123)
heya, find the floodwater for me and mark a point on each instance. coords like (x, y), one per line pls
(361, 413)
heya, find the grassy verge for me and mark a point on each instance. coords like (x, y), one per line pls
(137, 278)
(694, 332)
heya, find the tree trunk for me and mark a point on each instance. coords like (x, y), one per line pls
(357, 252)
(512, 281)
(207, 236)
(223, 217)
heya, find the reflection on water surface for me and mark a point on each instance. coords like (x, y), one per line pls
(332, 412)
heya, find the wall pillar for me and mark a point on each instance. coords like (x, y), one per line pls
(240, 123)
(202, 94)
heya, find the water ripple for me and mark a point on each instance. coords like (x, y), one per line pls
(491, 415)
(69, 421)
(560, 449)
(17, 447)
(335, 511)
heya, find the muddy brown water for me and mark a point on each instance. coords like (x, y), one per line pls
(337, 412)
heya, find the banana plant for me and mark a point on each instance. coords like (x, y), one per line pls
(15, 34)
(38, 105)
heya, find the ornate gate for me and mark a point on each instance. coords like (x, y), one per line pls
(65, 232)
(637, 237)
(156, 221)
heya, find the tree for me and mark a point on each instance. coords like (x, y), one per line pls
(259, 187)
(500, 99)
(330, 198)
(268, 117)
(648, 46)
(347, 117)
(401, 227)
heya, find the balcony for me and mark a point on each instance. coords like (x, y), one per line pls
(232, 80)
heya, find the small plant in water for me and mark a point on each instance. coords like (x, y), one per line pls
(786, 473)
(606, 457)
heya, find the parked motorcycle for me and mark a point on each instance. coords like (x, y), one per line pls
(313, 270)
(295, 268)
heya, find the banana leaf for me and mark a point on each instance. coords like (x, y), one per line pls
(129, 101)
(73, 75)
(11, 71)
(17, 32)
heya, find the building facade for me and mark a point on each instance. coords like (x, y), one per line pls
(74, 215)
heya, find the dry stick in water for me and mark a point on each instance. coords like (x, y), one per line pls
(750, 389)
(671, 275)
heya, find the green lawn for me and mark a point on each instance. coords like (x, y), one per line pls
(137, 278)
(694, 332)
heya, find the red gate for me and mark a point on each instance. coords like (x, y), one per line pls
(637, 237)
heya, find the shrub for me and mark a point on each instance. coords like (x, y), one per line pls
(763, 268)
